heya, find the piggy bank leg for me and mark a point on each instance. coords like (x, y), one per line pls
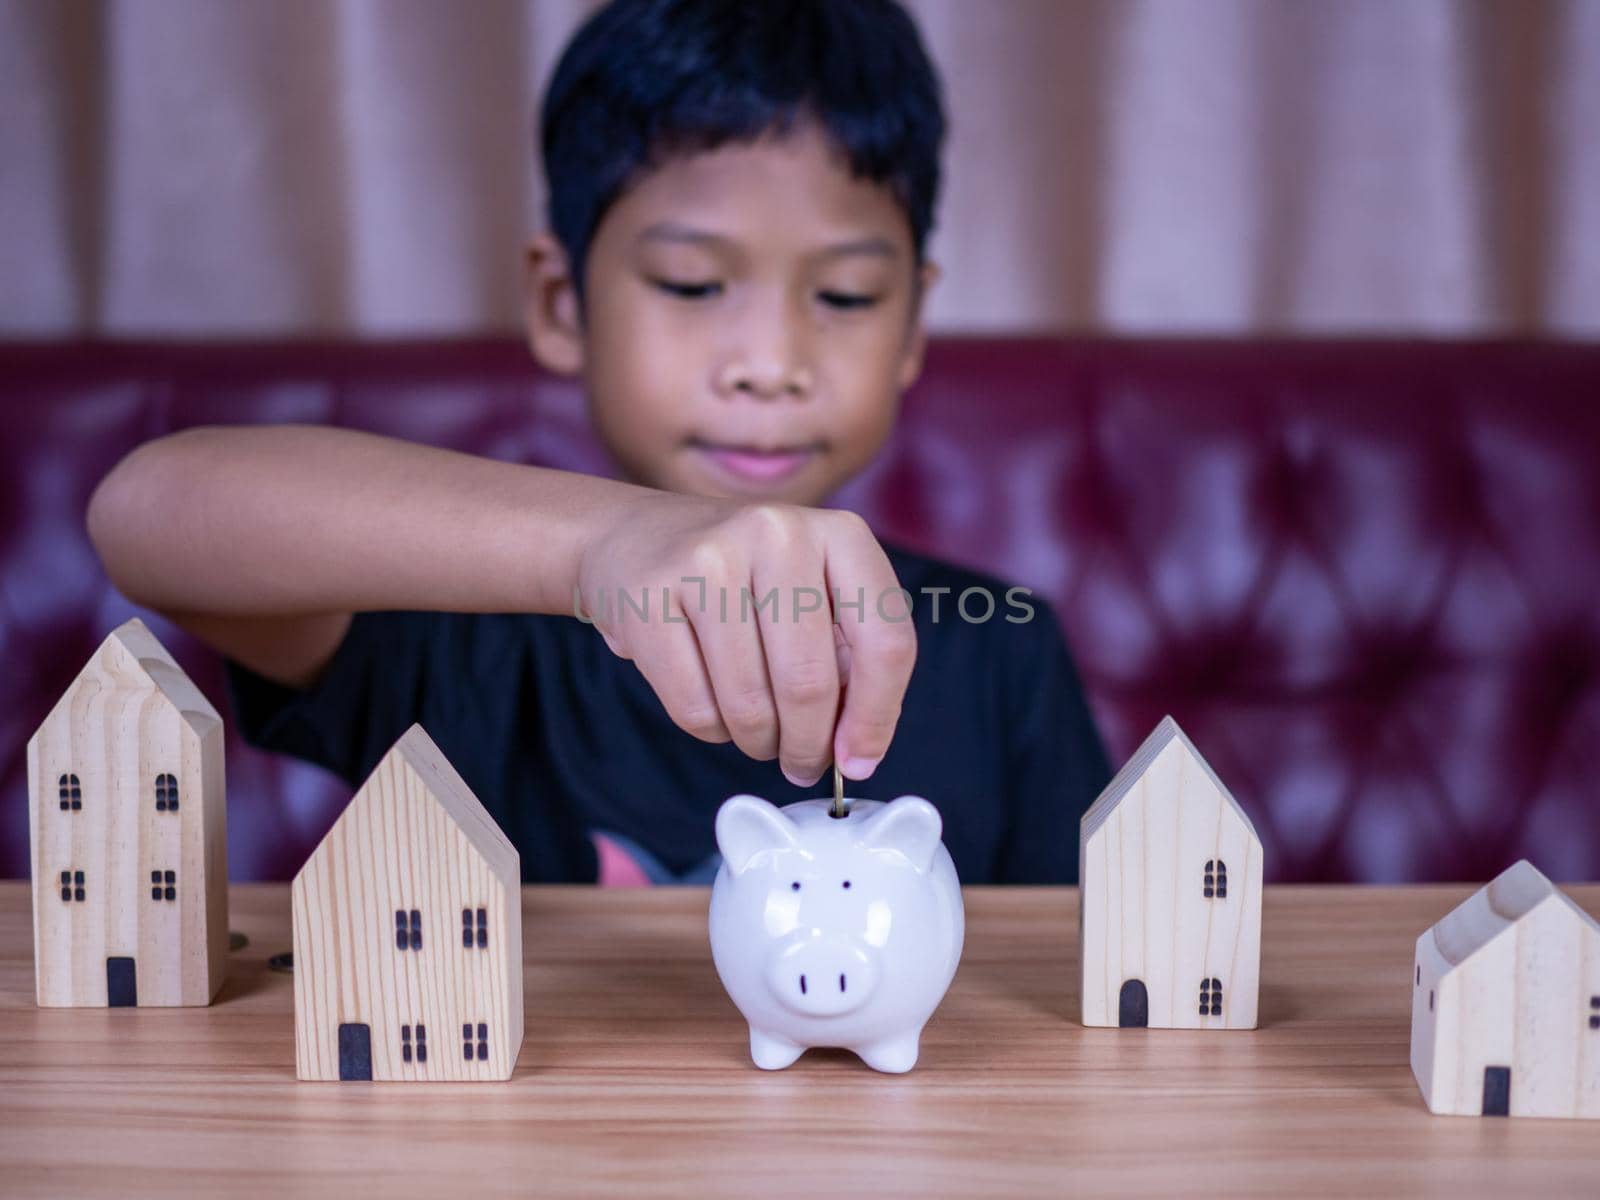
(895, 1055)
(771, 1052)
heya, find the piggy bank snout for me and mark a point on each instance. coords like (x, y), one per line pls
(822, 976)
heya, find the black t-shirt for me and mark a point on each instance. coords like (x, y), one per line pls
(558, 737)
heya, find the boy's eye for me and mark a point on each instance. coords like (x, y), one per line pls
(846, 300)
(688, 290)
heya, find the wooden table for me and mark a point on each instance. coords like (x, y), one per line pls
(635, 1078)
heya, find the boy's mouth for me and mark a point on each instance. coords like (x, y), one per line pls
(755, 464)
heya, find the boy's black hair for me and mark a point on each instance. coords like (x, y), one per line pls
(643, 80)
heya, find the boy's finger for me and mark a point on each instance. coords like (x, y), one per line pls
(797, 640)
(671, 664)
(738, 672)
(882, 645)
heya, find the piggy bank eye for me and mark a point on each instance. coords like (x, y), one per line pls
(846, 883)
(795, 886)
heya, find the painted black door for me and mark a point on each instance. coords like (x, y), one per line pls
(122, 988)
(1497, 1091)
(355, 1052)
(1133, 1005)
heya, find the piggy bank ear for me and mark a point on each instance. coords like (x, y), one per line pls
(747, 826)
(910, 825)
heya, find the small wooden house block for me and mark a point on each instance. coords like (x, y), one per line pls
(1169, 919)
(408, 932)
(129, 835)
(1505, 1004)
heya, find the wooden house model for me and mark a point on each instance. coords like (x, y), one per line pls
(408, 932)
(128, 833)
(1169, 919)
(1505, 1003)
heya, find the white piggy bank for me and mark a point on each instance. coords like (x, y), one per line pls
(835, 931)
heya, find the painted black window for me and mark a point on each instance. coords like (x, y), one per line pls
(1211, 997)
(1216, 880)
(1594, 1012)
(72, 886)
(71, 793)
(466, 1041)
(478, 936)
(407, 929)
(421, 1043)
(166, 793)
(163, 885)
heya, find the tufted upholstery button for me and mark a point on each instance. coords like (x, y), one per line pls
(1364, 576)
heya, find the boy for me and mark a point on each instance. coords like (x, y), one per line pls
(740, 196)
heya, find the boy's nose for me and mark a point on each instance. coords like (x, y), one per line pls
(764, 380)
(767, 351)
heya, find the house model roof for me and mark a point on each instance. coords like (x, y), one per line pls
(1163, 736)
(416, 754)
(130, 648)
(1497, 907)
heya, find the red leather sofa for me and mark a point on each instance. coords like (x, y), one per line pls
(1365, 576)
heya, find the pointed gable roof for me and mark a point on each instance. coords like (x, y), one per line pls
(1497, 907)
(131, 648)
(1164, 735)
(417, 753)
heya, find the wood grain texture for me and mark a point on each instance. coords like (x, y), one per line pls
(413, 859)
(1509, 982)
(130, 718)
(635, 1078)
(1171, 871)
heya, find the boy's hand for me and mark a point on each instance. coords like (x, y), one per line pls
(728, 666)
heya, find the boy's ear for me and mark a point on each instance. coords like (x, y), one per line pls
(917, 337)
(550, 307)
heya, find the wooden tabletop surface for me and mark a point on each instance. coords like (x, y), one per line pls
(635, 1078)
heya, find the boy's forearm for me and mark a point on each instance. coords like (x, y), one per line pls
(286, 520)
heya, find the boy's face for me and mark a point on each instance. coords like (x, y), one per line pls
(751, 317)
